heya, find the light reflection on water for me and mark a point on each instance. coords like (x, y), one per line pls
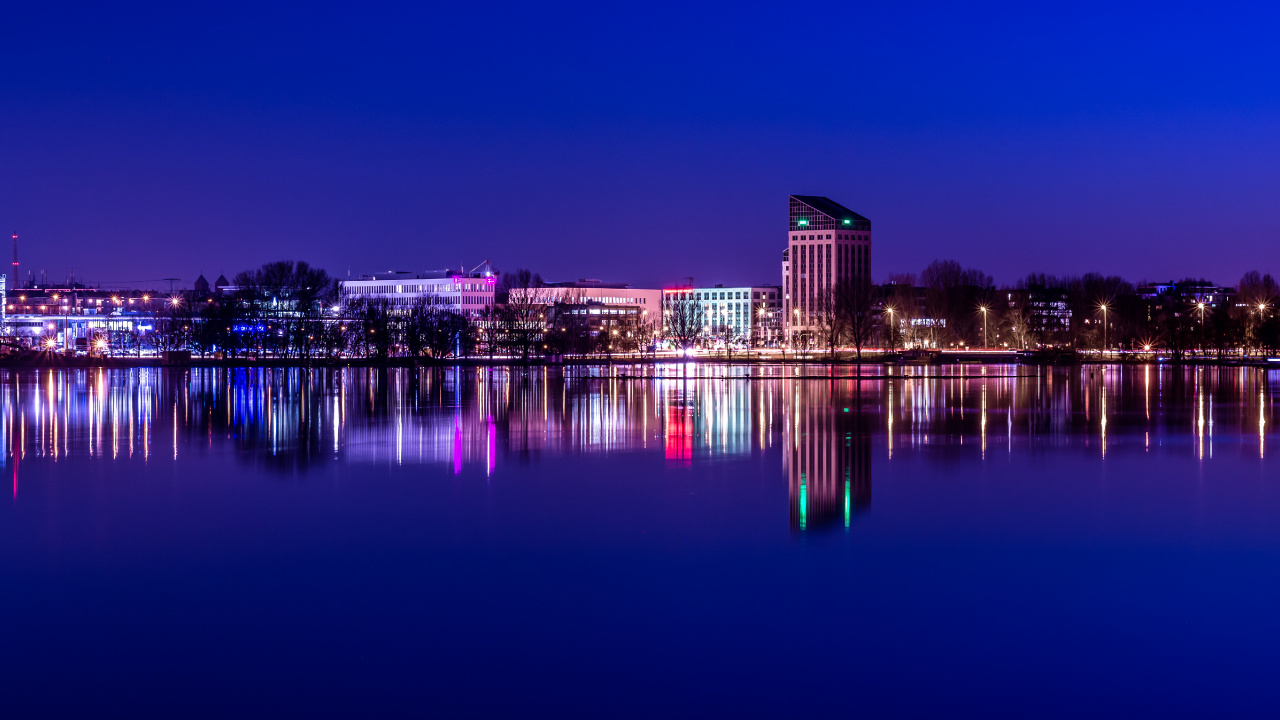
(824, 420)
(511, 542)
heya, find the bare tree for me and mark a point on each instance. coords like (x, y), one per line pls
(173, 324)
(828, 320)
(683, 319)
(522, 311)
(432, 329)
(853, 301)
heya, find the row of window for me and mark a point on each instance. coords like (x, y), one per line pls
(736, 295)
(604, 311)
(838, 236)
(378, 289)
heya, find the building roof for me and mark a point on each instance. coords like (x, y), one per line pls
(589, 283)
(821, 213)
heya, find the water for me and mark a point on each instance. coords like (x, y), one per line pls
(1004, 541)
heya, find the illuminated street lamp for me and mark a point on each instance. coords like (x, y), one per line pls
(983, 308)
(1200, 307)
(796, 312)
(1104, 328)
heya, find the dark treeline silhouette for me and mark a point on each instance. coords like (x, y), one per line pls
(950, 306)
(292, 310)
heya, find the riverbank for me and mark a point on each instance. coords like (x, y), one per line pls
(54, 360)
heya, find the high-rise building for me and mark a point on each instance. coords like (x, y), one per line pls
(827, 245)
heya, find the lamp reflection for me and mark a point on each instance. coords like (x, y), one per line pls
(819, 427)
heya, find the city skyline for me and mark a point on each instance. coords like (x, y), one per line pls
(1061, 141)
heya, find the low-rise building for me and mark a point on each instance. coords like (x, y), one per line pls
(69, 317)
(598, 305)
(750, 314)
(465, 292)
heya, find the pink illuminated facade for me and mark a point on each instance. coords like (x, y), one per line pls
(827, 244)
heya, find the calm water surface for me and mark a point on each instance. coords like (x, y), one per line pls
(695, 541)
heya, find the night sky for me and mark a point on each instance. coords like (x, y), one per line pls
(638, 142)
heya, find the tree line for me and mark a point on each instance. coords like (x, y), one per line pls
(951, 306)
(292, 310)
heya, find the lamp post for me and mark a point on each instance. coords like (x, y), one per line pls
(1104, 329)
(1261, 308)
(1200, 306)
(796, 312)
(983, 308)
(891, 327)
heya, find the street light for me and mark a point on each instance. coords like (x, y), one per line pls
(796, 312)
(1104, 328)
(983, 308)
(1200, 306)
(891, 327)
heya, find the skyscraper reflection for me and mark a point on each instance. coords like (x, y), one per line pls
(827, 455)
(823, 424)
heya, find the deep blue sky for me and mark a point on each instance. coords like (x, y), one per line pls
(641, 142)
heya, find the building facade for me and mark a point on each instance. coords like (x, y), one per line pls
(751, 315)
(464, 292)
(67, 318)
(598, 305)
(827, 244)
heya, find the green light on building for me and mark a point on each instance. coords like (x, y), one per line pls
(848, 222)
(802, 222)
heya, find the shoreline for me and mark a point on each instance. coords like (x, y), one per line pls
(47, 360)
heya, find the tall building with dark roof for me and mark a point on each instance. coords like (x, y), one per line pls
(827, 244)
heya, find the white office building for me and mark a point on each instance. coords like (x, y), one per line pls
(465, 292)
(747, 314)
